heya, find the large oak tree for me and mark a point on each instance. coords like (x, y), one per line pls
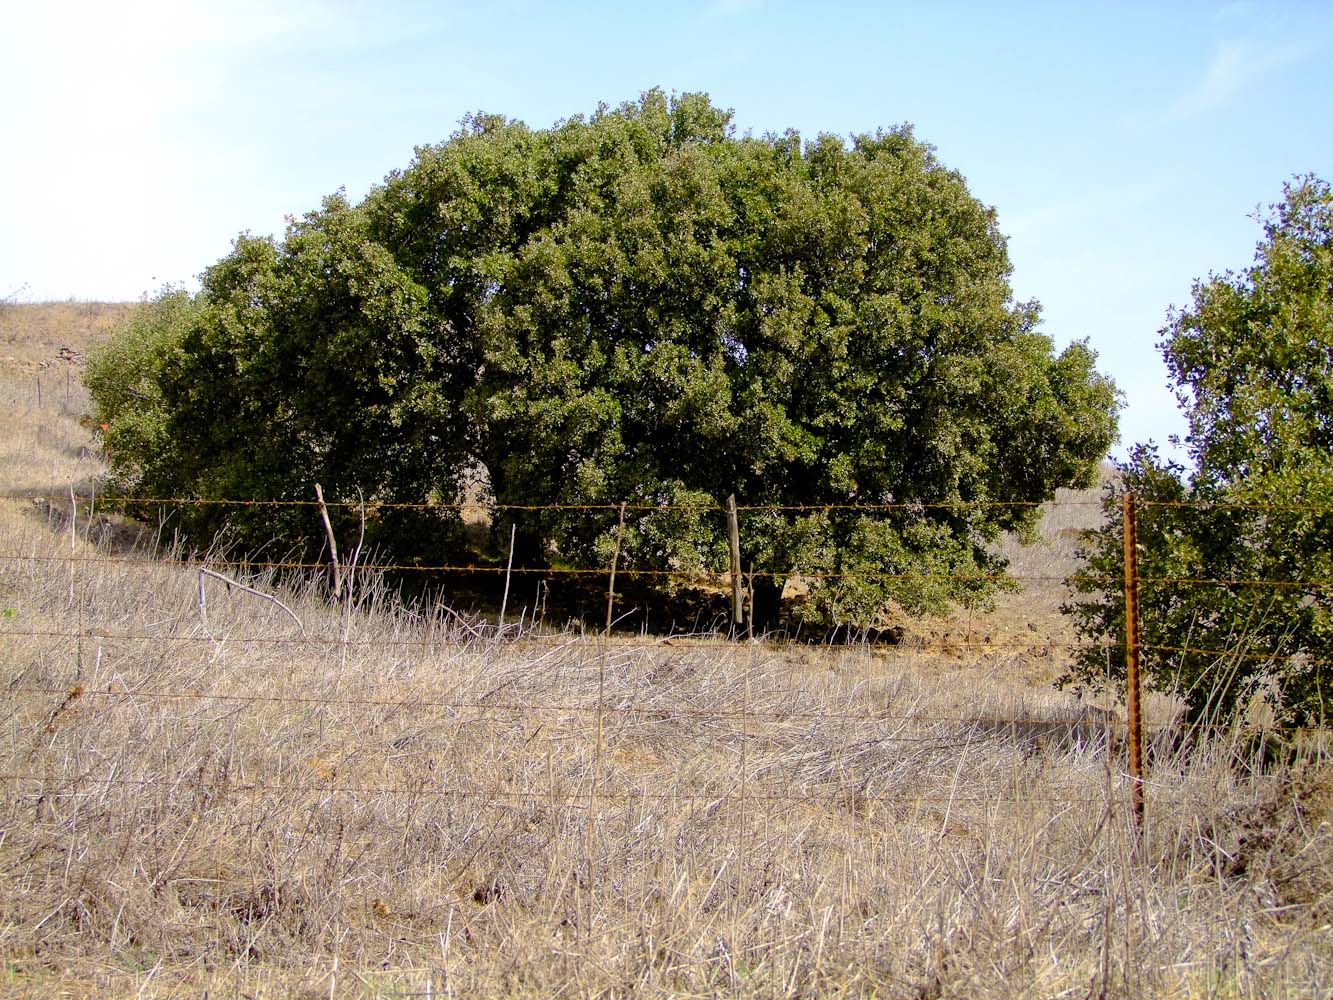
(641, 306)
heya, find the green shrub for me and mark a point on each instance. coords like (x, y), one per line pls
(1237, 596)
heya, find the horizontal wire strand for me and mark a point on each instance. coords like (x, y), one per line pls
(572, 798)
(670, 642)
(664, 507)
(657, 714)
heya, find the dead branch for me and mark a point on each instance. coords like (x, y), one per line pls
(240, 586)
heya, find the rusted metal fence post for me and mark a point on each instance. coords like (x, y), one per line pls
(1129, 509)
(737, 584)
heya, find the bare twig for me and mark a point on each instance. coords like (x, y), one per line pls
(240, 586)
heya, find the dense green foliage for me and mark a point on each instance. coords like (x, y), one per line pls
(1252, 365)
(641, 306)
(123, 379)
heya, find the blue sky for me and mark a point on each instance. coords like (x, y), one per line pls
(1124, 145)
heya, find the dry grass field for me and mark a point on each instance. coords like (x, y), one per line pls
(387, 801)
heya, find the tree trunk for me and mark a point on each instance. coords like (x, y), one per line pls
(529, 548)
(766, 612)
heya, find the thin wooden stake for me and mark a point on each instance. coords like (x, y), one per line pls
(615, 559)
(509, 568)
(743, 870)
(333, 544)
(73, 535)
(749, 619)
(601, 725)
(73, 531)
(92, 505)
(1132, 683)
(737, 583)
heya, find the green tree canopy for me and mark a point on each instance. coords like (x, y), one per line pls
(642, 306)
(1252, 365)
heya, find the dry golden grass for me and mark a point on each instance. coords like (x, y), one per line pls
(32, 335)
(387, 803)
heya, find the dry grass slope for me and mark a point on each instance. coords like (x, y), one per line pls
(381, 803)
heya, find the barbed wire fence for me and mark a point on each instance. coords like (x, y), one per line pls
(936, 732)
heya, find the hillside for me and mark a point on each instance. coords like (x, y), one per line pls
(34, 335)
(206, 792)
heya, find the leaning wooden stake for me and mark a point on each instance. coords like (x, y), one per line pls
(615, 559)
(73, 530)
(1129, 510)
(73, 535)
(737, 593)
(509, 569)
(601, 728)
(333, 544)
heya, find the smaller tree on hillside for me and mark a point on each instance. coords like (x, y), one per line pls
(122, 376)
(1252, 366)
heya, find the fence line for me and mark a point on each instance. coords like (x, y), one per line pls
(529, 570)
(1314, 582)
(990, 725)
(557, 639)
(631, 571)
(573, 798)
(912, 741)
(611, 508)
(1131, 583)
(1215, 505)
(1229, 653)
(1196, 581)
(1086, 725)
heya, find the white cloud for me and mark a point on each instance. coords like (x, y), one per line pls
(725, 7)
(1233, 67)
(1082, 210)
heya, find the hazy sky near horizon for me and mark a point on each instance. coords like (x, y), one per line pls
(1126, 146)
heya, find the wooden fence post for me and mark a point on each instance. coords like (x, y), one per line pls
(1129, 509)
(615, 559)
(737, 584)
(509, 569)
(333, 545)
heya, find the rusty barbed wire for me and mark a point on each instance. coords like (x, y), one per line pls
(1088, 725)
(1203, 581)
(575, 798)
(664, 507)
(463, 568)
(1233, 653)
(527, 570)
(683, 641)
(1216, 505)
(63, 498)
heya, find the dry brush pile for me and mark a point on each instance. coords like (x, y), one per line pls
(388, 801)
